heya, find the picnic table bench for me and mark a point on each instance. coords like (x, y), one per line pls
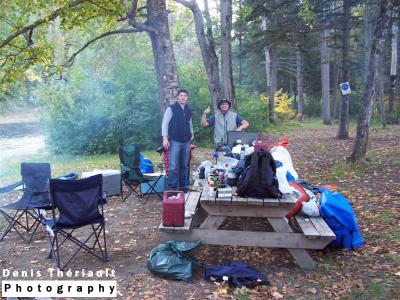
(204, 214)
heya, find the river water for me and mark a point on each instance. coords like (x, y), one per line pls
(20, 139)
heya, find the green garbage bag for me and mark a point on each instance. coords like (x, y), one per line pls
(168, 260)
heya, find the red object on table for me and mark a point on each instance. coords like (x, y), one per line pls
(173, 208)
(303, 197)
(283, 143)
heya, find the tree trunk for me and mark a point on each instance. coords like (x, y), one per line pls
(163, 53)
(335, 84)
(343, 129)
(326, 112)
(299, 81)
(273, 76)
(240, 39)
(397, 121)
(360, 144)
(380, 90)
(393, 65)
(369, 16)
(206, 43)
(226, 51)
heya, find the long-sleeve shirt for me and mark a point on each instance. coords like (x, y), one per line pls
(167, 118)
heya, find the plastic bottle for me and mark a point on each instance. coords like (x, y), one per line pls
(242, 152)
(212, 190)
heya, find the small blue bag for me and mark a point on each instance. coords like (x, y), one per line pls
(146, 165)
(340, 217)
(238, 274)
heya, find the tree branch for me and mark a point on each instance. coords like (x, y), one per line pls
(100, 6)
(70, 61)
(188, 4)
(142, 26)
(45, 19)
(9, 22)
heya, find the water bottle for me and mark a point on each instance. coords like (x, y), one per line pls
(242, 153)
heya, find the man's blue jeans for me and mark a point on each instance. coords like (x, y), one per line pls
(178, 170)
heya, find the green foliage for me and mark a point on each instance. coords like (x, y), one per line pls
(103, 102)
(23, 52)
(194, 79)
(307, 13)
(312, 106)
(253, 109)
(391, 117)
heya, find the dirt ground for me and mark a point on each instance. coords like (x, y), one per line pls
(371, 272)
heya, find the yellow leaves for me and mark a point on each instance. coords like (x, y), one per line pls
(31, 75)
(282, 105)
(222, 290)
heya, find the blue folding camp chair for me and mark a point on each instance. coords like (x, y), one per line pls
(28, 209)
(77, 210)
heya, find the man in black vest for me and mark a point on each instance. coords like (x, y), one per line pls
(177, 132)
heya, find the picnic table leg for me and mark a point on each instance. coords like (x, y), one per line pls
(212, 222)
(245, 223)
(301, 256)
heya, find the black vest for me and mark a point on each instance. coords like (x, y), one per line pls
(179, 126)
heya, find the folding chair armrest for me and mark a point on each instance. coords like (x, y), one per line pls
(160, 166)
(10, 187)
(103, 198)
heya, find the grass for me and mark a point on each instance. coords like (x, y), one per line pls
(386, 217)
(378, 288)
(63, 164)
(342, 169)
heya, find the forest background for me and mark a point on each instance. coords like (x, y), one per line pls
(96, 75)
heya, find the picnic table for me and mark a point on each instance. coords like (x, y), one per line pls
(204, 214)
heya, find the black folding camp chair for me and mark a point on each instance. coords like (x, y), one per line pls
(28, 209)
(132, 176)
(77, 220)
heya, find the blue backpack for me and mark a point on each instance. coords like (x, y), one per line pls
(339, 215)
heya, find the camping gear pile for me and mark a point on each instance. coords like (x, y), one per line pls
(260, 172)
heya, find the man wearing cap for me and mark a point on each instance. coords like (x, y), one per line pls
(223, 121)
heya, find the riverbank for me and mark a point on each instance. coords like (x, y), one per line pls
(30, 115)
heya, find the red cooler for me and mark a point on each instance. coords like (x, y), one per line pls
(174, 208)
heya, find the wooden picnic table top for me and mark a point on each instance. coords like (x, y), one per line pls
(286, 199)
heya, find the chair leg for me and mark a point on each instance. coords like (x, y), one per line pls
(14, 222)
(152, 188)
(131, 189)
(105, 243)
(97, 232)
(122, 190)
(57, 251)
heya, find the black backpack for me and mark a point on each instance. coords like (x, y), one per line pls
(258, 179)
